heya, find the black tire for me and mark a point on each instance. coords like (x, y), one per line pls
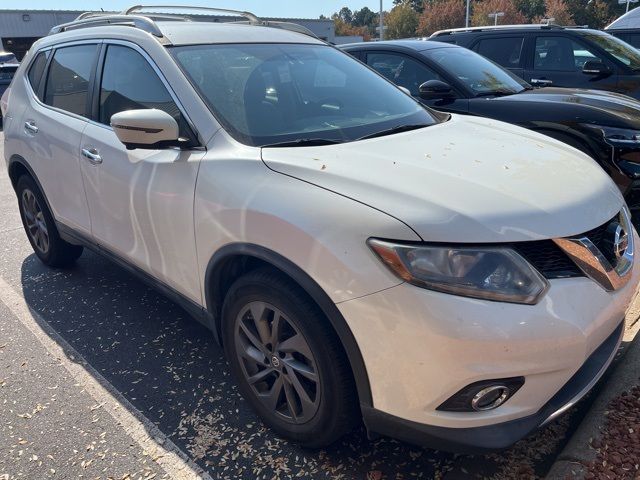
(335, 411)
(49, 247)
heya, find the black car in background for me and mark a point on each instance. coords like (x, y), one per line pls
(550, 55)
(449, 78)
(8, 67)
(629, 35)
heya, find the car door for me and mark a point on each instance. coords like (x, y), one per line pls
(410, 73)
(52, 127)
(506, 51)
(141, 201)
(557, 60)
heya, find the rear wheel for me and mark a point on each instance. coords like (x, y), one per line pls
(41, 229)
(287, 360)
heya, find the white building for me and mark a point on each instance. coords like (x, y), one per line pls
(20, 28)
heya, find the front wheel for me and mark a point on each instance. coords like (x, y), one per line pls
(41, 229)
(287, 360)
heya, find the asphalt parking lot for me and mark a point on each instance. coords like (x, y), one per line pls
(102, 377)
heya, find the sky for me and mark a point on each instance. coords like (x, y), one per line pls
(264, 8)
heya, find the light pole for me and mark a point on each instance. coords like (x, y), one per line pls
(495, 16)
(466, 21)
(381, 29)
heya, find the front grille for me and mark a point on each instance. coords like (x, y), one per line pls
(602, 238)
(551, 261)
(548, 259)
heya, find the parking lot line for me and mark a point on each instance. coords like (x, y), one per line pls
(161, 449)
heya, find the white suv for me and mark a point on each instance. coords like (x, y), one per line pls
(453, 281)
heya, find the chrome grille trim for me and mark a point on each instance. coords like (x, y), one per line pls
(594, 264)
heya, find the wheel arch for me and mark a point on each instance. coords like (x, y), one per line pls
(18, 166)
(233, 260)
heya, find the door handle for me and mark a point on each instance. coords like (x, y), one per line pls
(541, 81)
(31, 126)
(92, 155)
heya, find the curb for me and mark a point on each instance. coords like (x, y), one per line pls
(573, 461)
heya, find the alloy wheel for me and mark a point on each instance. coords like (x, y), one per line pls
(34, 221)
(277, 362)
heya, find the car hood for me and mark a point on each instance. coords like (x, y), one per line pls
(465, 180)
(610, 103)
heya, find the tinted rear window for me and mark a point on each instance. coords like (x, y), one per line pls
(503, 50)
(36, 71)
(68, 80)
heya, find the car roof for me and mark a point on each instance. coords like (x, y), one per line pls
(418, 45)
(184, 33)
(511, 29)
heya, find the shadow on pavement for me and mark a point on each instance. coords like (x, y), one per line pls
(169, 367)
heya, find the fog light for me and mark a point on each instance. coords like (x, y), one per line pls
(483, 395)
(490, 398)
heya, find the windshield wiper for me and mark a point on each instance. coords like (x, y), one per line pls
(392, 130)
(304, 142)
(495, 93)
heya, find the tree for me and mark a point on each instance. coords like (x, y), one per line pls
(417, 5)
(531, 9)
(442, 14)
(364, 17)
(345, 15)
(401, 22)
(594, 13)
(481, 11)
(556, 10)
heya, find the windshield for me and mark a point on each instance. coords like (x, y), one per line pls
(267, 94)
(616, 47)
(475, 72)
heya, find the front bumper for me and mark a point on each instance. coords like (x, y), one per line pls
(501, 435)
(420, 347)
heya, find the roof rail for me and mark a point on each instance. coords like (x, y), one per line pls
(248, 15)
(97, 20)
(292, 27)
(145, 21)
(494, 27)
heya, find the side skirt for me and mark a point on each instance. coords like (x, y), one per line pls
(201, 314)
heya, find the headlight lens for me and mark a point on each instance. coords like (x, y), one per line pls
(620, 137)
(490, 273)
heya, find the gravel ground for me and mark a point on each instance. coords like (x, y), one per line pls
(619, 446)
(168, 368)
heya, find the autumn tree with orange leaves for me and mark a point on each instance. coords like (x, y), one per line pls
(441, 14)
(481, 11)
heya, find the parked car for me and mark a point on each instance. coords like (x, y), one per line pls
(451, 280)
(604, 125)
(8, 67)
(627, 27)
(546, 55)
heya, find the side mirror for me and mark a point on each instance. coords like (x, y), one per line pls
(595, 67)
(434, 89)
(150, 128)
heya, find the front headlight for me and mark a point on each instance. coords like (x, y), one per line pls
(490, 273)
(620, 137)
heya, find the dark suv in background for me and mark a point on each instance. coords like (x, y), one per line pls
(604, 125)
(546, 55)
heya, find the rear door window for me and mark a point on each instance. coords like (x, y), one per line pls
(68, 80)
(505, 51)
(36, 70)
